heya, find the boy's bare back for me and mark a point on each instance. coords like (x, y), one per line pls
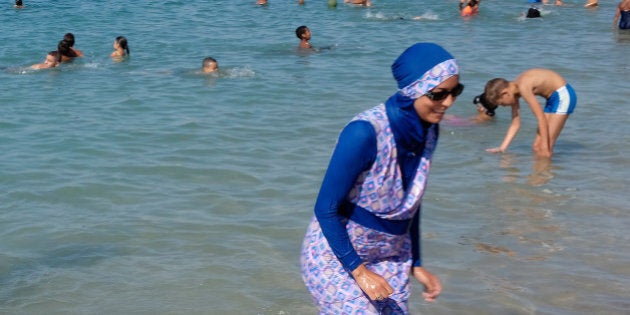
(538, 81)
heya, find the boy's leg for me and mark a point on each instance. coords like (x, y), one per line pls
(536, 143)
(556, 123)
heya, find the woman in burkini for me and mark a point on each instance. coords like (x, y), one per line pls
(363, 242)
(121, 48)
(623, 11)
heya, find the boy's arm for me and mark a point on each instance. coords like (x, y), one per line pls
(543, 127)
(511, 132)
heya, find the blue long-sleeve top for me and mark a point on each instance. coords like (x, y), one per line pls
(355, 152)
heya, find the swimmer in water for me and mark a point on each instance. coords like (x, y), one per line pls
(485, 113)
(469, 7)
(591, 3)
(121, 48)
(558, 2)
(65, 51)
(261, 2)
(18, 4)
(209, 65)
(304, 34)
(366, 3)
(52, 60)
(533, 12)
(69, 38)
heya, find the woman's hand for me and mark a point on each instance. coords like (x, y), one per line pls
(375, 286)
(432, 285)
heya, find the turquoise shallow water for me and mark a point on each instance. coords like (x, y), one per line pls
(143, 187)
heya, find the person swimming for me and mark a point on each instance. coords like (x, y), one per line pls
(304, 34)
(469, 7)
(365, 3)
(209, 65)
(480, 100)
(66, 53)
(533, 12)
(591, 3)
(121, 48)
(52, 60)
(69, 38)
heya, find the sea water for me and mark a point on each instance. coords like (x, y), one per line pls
(145, 187)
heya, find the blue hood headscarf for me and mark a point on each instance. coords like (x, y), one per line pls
(419, 69)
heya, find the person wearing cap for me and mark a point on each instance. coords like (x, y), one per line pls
(363, 242)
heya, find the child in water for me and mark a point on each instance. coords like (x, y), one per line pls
(484, 114)
(469, 7)
(121, 48)
(304, 34)
(561, 101)
(51, 61)
(209, 65)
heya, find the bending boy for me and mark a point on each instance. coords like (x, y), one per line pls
(561, 101)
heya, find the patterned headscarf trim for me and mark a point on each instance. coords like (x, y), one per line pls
(430, 79)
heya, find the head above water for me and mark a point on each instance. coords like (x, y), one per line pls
(481, 100)
(300, 31)
(69, 38)
(209, 64)
(64, 49)
(52, 59)
(121, 41)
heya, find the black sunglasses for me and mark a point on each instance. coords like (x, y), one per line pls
(438, 96)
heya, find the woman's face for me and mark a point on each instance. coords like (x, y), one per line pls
(433, 111)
